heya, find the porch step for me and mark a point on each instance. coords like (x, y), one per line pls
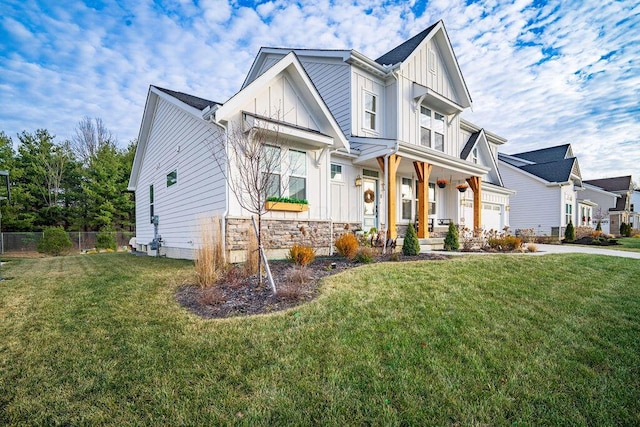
(426, 245)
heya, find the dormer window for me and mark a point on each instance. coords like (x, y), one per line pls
(370, 110)
(431, 129)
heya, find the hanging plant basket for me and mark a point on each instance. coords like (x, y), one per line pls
(442, 183)
(462, 187)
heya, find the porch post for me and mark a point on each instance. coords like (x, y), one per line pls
(394, 161)
(423, 170)
(476, 187)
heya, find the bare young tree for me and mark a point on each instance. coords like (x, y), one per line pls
(90, 136)
(256, 163)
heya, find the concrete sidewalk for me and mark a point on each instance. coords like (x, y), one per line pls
(575, 249)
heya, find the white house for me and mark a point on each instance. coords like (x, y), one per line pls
(547, 183)
(375, 137)
(616, 208)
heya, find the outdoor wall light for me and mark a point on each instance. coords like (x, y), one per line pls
(358, 181)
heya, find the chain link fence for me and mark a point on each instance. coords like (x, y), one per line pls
(82, 241)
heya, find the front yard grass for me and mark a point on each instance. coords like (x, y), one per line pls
(628, 244)
(517, 340)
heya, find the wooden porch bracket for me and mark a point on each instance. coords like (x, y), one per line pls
(423, 170)
(476, 186)
(394, 162)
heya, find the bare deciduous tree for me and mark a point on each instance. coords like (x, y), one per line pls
(251, 156)
(90, 137)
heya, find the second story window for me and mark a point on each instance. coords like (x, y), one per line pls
(431, 129)
(474, 155)
(370, 111)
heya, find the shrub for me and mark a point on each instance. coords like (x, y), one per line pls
(570, 233)
(625, 230)
(55, 241)
(301, 254)
(532, 247)
(252, 256)
(583, 231)
(528, 235)
(451, 240)
(505, 243)
(347, 245)
(410, 245)
(106, 239)
(365, 255)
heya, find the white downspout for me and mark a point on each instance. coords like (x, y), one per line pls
(223, 225)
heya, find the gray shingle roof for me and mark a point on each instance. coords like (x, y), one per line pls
(620, 183)
(401, 52)
(559, 171)
(469, 145)
(193, 101)
(545, 155)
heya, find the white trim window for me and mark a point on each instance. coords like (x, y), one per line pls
(568, 213)
(431, 129)
(298, 177)
(370, 108)
(474, 155)
(406, 191)
(336, 172)
(172, 178)
(271, 169)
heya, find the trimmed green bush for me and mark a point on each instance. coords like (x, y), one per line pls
(451, 242)
(411, 245)
(55, 241)
(625, 229)
(106, 239)
(570, 232)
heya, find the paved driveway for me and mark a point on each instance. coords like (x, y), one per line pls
(567, 249)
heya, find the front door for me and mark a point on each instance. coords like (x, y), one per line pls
(370, 191)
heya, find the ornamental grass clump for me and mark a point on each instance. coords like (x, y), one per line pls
(451, 239)
(505, 243)
(410, 245)
(209, 263)
(347, 245)
(365, 255)
(301, 254)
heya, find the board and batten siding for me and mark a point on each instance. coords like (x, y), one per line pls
(177, 140)
(331, 77)
(432, 74)
(363, 82)
(534, 205)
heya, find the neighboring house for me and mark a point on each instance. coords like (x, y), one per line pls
(547, 182)
(620, 211)
(635, 210)
(374, 136)
(603, 200)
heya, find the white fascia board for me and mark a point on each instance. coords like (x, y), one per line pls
(471, 127)
(143, 135)
(587, 202)
(176, 102)
(362, 61)
(437, 158)
(600, 190)
(289, 132)
(439, 102)
(498, 189)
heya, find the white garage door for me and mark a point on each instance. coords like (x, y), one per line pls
(492, 216)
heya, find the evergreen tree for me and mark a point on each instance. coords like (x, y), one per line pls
(411, 245)
(451, 242)
(599, 226)
(570, 233)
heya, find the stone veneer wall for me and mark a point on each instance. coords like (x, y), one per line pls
(279, 235)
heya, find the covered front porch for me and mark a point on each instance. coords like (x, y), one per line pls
(424, 187)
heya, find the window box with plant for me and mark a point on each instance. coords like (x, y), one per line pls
(286, 204)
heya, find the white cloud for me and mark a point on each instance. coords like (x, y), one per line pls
(539, 75)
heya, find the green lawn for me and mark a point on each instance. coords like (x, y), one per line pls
(628, 244)
(497, 340)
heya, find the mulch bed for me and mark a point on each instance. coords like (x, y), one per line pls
(243, 296)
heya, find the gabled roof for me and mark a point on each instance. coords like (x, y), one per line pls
(308, 94)
(193, 101)
(559, 171)
(545, 155)
(620, 183)
(469, 145)
(402, 52)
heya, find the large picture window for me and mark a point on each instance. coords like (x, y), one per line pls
(431, 129)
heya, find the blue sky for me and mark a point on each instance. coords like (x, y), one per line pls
(540, 73)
